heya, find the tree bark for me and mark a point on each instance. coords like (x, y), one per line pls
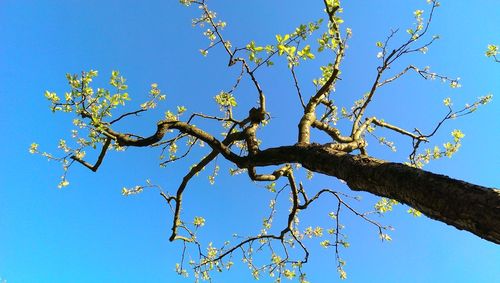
(463, 205)
(460, 204)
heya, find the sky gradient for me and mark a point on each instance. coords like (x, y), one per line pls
(89, 232)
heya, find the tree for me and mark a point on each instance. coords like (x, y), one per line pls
(344, 156)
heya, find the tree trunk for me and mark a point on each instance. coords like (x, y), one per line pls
(460, 204)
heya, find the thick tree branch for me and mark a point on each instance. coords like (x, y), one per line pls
(457, 203)
(460, 204)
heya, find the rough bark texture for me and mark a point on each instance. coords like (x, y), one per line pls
(460, 204)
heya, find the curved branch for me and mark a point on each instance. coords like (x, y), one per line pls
(127, 114)
(178, 197)
(99, 159)
(310, 110)
(162, 129)
(332, 132)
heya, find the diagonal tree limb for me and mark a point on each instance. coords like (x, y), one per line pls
(463, 205)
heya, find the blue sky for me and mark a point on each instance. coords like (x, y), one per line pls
(89, 232)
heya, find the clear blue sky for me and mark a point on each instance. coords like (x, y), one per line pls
(89, 232)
